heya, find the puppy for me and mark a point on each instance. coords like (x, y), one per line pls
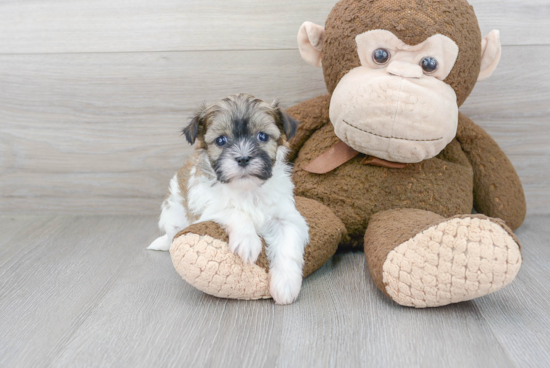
(238, 177)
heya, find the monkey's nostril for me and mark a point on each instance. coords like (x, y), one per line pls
(243, 161)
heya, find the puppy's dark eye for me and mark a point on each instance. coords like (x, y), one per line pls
(221, 141)
(263, 137)
(381, 56)
(429, 64)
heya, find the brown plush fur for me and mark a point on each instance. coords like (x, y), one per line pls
(497, 188)
(413, 21)
(444, 184)
(326, 231)
(389, 229)
(312, 116)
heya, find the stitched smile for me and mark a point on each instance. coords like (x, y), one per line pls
(383, 136)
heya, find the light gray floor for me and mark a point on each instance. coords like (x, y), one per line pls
(83, 291)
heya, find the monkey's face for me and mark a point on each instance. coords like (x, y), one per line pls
(398, 70)
(395, 106)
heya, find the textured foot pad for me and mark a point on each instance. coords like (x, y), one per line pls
(209, 265)
(457, 260)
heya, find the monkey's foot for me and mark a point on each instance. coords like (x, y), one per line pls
(453, 260)
(201, 255)
(207, 263)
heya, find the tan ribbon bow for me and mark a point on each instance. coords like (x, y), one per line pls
(341, 153)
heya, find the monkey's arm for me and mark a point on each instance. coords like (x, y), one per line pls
(497, 188)
(312, 115)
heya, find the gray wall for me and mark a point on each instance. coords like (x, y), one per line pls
(93, 94)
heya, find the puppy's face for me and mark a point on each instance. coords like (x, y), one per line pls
(241, 135)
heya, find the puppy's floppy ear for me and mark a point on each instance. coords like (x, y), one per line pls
(287, 124)
(196, 124)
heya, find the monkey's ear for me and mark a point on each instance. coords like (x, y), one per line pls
(310, 43)
(491, 50)
(191, 131)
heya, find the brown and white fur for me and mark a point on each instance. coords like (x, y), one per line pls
(245, 185)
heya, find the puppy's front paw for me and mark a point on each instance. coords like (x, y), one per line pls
(248, 246)
(162, 243)
(285, 284)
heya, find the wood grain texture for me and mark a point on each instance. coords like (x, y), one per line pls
(87, 294)
(174, 325)
(351, 312)
(14, 230)
(52, 276)
(57, 26)
(100, 133)
(520, 316)
(81, 128)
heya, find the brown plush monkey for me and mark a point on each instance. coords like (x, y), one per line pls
(387, 162)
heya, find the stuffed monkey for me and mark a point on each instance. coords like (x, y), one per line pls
(385, 161)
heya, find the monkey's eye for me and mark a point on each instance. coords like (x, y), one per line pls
(429, 64)
(221, 140)
(262, 137)
(381, 56)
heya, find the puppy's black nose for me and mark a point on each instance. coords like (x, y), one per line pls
(243, 161)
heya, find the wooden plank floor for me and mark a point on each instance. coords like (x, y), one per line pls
(83, 291)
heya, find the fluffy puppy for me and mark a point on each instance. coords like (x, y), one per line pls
(238, 177)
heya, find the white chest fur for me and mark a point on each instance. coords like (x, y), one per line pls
(210, 200)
